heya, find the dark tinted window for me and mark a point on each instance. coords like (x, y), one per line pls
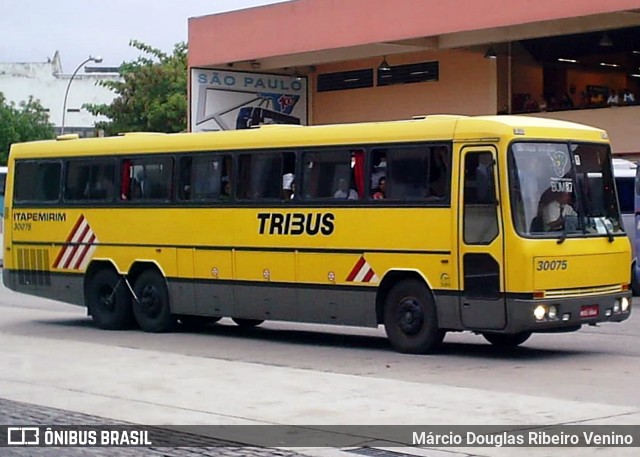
(264, 176)
(413, 172)
(328, 174)
(147, 179)
(90, 180)
(205, 177)
(343, 80)
(37, 181)
(411, 73)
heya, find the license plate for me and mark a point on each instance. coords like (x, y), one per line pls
(589, 311)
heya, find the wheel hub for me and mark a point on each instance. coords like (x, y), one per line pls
(150, 301)
(410, 316)
(106, 298)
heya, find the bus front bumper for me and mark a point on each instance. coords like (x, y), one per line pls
(566, 314)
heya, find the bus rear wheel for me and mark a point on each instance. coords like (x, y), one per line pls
(411, 319)
(247, 323)
(152, 310)
(506, 341)
(109, 301)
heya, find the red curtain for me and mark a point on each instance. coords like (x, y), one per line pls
(126, 180)
(358, 171)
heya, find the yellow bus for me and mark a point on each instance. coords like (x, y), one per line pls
(499, 225)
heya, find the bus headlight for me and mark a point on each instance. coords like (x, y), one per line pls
(625, 304)
(616, 306)
(553, 312)
(540, 312)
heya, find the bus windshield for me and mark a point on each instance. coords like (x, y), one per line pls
(563, 189)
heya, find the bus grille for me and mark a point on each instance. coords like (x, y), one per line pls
(33, 267)
(565, 293)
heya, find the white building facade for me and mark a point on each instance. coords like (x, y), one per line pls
(46, 82)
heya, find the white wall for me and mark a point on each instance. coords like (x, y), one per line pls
(46, 82)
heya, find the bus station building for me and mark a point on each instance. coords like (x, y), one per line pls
(334, 61)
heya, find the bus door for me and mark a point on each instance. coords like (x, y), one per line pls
(480, 241)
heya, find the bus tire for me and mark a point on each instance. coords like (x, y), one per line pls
(506, 341)
(109, 301)
(411, 318)
(198, 321)
(152, 309)
(635, 281)
(247, 323)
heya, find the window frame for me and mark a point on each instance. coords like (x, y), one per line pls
(38, 162)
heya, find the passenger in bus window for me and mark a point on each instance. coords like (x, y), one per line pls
(556, 210)
(225, 195)
(287, 183)
(381, 191)
(379, 171)
(138, 186)
(293, 189)
(103, 188)
(344, 191)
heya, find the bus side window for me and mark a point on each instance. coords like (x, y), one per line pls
(480, 219)
(37, 181)
(327, 174)
(418, 172)
(260, 175)
(147, 179)
(267, 181)
(184, 178)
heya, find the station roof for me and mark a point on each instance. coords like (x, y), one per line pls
(309, 32)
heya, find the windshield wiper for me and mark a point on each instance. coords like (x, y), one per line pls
(564, 233)
(609, 234)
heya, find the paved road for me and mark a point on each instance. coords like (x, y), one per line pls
(302, 374)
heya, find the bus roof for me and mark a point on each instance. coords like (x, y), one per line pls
(421, 128)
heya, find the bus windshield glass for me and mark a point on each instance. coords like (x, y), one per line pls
(563, 189)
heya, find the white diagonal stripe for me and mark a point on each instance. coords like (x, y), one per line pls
(80, 249)
(88, 256)
(74, 239)
(363, 271)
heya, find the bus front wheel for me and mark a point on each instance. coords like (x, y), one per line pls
(505, 341)
(411, 319)
(151, 309)
(109, 301)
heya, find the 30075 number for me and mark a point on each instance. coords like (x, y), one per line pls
(552, 265)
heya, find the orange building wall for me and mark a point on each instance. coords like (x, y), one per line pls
(407, 100)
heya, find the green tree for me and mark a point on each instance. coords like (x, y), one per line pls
(28, 121)
(152, 95)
